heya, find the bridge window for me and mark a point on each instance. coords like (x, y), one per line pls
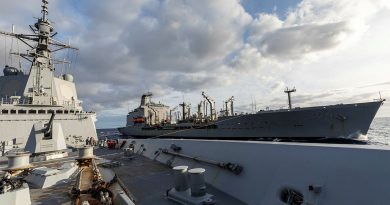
(42, 111)
(66, 112)
(22, 112)
(4, 111)
(59, 111)
(50, 111)
(71, 111)
(13, 111)
(32, 112)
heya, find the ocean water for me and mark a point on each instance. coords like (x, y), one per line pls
(379, 132)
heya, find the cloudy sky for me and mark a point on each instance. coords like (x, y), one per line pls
(332, 51)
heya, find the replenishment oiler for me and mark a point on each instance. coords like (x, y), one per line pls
(342, 121)
(42, 94)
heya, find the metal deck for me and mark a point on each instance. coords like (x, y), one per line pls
(145, 180)
(148, 181)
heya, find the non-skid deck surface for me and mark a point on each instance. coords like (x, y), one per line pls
(148, 181)
(145, 179)
(55, 195)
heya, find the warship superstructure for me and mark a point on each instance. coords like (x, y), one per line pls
(347, 121)
(36, 96)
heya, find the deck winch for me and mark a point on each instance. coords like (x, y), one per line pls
(18, 161)
(86, 152)
(12, 185)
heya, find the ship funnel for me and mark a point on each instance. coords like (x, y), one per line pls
(146, 98)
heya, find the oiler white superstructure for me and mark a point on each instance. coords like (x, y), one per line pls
(28, 98)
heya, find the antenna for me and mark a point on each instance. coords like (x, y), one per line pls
(63, 66)
(20, 63)
(255, 105)
(5, 50)
(45, 11)
(11, 49)
(289, 91)
(252, 105)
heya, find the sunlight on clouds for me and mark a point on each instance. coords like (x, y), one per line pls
(179, 48)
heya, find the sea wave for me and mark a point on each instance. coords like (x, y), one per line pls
(379, 131)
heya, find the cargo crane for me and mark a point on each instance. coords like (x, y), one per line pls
(186, 110)
(229, 106)
(213, 114)
(201, 111)
(156, 118)
(170, 113)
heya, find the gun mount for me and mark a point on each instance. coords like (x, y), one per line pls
(48, 130)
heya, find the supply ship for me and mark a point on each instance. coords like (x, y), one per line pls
(42, 93)
(342, 121)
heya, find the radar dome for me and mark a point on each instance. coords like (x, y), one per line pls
(68, 77)
(8, 70)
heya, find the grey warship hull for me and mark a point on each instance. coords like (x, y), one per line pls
(349, 121)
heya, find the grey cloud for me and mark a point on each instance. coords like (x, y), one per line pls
(156, 45)
(294, 42)
(375, 84)
(129, 47)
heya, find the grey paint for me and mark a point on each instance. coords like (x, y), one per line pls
(347, 174)
(41, 91)
(335, 121)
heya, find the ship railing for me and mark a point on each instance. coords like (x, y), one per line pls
(15, 100)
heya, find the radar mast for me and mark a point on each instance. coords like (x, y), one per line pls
(289, 91)
(39, 85)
